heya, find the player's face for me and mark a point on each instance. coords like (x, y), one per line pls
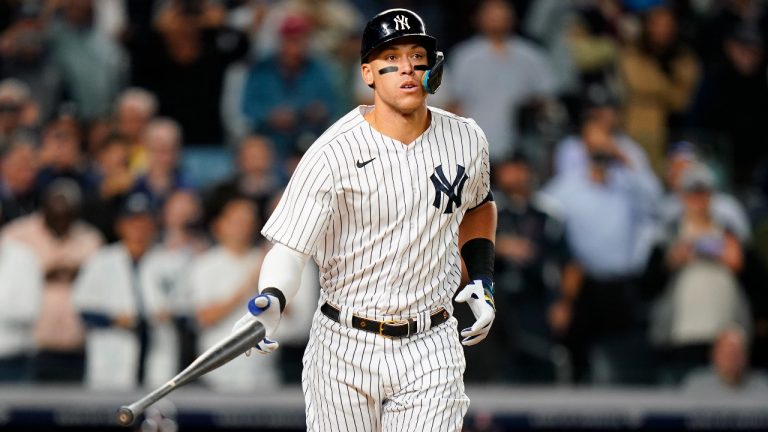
(396, 76)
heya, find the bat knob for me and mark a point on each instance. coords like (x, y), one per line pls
(125, 416)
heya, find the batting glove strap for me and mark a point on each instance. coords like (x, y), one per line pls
(277, 294)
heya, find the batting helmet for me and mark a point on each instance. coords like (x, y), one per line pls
(394, 24)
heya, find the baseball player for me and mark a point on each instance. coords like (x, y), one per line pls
(387, 202)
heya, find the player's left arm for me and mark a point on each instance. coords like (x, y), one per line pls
(477, 237)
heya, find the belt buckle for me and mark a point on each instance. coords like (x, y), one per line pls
(400, 321)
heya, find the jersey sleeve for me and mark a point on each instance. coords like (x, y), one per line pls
(302, 215)
(482, 184)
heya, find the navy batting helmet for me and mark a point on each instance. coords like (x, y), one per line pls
(394, 24)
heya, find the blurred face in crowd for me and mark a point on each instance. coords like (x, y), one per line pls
(79, 12)
(676, 166)
(236, 225)
(514, 178)
(745, 58)
(255, 156)
(661, 27)
(696, 201)
(293, 51)
(61, 144)
(729, 355)
(495, 18)
(133, 115)
(162, 142)
(137, 232)
(18, 168)
(10, 115)
(113, 156)
(61, 206)
(181, 211)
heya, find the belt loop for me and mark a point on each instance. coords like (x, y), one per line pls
(423, 322)
(345, 316)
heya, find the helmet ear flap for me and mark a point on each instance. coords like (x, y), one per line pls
(434, 76)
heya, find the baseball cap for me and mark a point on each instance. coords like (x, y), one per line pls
(683, 150)
(295, 25)
(697, 178)
(136, 204)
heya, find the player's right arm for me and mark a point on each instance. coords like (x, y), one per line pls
(295, 227)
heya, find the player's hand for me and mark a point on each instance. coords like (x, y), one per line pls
(265, 309)
(480, 300)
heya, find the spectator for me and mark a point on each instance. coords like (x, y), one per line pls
(182, 239)
(607, 213)
(134, 109)
(255, 177)
(21, 287)
(572, 154)
(725, 17)
(659, 76)
(25, 55)
(92, 64)
(18, 111)
(18, 170)
(61, 243)
(725, 209)
(289, 96)
(61, 154)
(164, 175)
(222, 280)
(729, 373)
(514, 73)
(130, 339)
(535, 274)
(595, 36)
(113, 181)
(733, 104)
(702, 294)
(332, 21)
(189, 45)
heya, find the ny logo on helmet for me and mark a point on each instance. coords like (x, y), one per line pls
(451, 189)
(401, 23)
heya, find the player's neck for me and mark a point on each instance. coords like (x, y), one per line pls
(403, 127)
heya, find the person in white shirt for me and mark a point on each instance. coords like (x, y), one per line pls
(221, 280)
(21, 286)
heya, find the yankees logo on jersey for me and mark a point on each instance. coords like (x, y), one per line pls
(374, 212)
(452, 190)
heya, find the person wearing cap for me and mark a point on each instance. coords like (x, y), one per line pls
(531, 248)
(289, 95)
(699, 260)
(726, 209)
(130, 340)
(62, 243)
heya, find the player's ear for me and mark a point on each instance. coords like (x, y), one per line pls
(367, 73)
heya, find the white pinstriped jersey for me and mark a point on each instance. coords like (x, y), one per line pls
(381, 218)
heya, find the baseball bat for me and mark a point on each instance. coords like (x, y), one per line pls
(225, 350)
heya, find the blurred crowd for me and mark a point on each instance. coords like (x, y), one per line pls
(143, 143)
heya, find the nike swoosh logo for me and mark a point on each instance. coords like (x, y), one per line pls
(362, 164)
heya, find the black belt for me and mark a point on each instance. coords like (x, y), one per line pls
(393, 329)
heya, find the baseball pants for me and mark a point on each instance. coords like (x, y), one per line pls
(355, 380)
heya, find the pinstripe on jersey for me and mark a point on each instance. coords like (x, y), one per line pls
(384, 249)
